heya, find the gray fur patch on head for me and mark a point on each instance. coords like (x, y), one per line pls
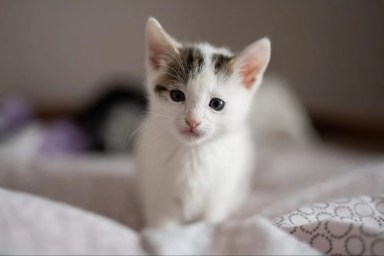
(221, 63)
(187, 63)
(184, 65)
(192, 61)
(161, 91)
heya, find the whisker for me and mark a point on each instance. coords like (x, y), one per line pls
(136, 132)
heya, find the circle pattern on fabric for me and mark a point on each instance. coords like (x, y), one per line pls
(377, 247)
(320, 240)
(354, 245)
(363, 209)
(346, 226)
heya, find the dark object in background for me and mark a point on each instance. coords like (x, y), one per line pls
(112, 120)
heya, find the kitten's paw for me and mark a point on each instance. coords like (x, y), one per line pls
(182, 240)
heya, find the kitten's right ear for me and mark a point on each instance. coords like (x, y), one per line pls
(252, 62)
(160, 47)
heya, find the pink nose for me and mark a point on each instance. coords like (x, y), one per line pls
(192, 123)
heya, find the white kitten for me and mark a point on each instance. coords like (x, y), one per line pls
(195, 153)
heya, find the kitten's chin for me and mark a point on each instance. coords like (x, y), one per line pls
(191, 138)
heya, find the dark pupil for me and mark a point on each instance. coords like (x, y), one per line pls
(217, 104)
(177, 95)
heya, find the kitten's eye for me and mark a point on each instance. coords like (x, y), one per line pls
(177, 95)
(217, 104)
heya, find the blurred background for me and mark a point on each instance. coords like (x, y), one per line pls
(72, 60)
(71, 90)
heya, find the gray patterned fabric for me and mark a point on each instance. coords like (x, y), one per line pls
(347, 226)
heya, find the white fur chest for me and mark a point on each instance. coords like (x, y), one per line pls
(185, 183)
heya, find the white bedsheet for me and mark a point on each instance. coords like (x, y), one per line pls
(287, 179)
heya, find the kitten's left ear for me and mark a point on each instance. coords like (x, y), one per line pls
(252, 62)
(161, 47)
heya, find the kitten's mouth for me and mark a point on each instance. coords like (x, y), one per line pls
(190, 133)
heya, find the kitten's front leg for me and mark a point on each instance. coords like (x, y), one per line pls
(216, 212)
(160, 211)
(161, 224)
(163, 221)
(192, 239)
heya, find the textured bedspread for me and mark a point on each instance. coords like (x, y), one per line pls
(313, 200)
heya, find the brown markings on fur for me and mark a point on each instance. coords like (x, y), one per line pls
(192, 60)
(183, 66)
(222, 64)
(163, 88)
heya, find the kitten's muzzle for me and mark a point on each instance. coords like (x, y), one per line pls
(192, 123)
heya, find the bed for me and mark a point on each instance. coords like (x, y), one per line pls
(305, 200)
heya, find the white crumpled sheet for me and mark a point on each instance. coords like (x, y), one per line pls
(280, 217)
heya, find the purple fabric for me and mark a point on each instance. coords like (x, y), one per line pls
(15, 113)
(62, 137)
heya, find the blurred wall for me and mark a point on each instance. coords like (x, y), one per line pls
(57, 53)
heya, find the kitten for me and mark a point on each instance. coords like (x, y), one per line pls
(195, 153)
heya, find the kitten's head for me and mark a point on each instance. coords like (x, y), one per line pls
(199, 92)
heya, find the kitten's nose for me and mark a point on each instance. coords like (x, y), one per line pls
(192, 123)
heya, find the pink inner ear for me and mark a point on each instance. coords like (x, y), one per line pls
(154, 62)
(154, 57)
(249, 72)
